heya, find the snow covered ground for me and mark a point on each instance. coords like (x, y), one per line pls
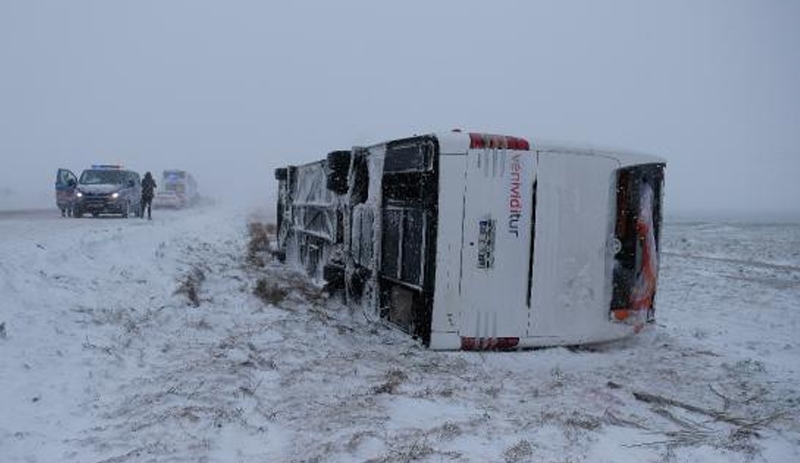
(126, 340)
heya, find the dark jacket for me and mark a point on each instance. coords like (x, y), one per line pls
(148, 185)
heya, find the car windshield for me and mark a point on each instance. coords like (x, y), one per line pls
(99, 177)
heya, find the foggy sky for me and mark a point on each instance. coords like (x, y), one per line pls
(230, 90)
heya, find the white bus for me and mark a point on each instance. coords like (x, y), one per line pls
(477, 241)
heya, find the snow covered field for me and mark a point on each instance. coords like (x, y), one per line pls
(125, 340)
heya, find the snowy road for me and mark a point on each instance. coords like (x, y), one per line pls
(105, 358)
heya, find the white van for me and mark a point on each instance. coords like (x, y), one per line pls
(478, 241)
(178, 189)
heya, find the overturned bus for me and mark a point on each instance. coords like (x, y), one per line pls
(477, 241)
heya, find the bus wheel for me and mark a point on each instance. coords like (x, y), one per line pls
(338, 166)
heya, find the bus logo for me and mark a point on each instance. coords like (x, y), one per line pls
(514, 197)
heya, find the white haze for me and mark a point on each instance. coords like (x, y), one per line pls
(231, 90)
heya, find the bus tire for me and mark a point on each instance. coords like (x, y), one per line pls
(338, 166)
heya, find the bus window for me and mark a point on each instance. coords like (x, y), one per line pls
(413, 246)
(403, 245)
(361, 239)
(392, 226)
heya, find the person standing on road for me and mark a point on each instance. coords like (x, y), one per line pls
(148, 187)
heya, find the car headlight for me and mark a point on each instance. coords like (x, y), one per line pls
(79, 194)
(115, 195)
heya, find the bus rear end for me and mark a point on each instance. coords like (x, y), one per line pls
(557, 247)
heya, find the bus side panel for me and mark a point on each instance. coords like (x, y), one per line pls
(572, 271)
(446, 309)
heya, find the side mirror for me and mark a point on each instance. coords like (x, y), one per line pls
(71, 182)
